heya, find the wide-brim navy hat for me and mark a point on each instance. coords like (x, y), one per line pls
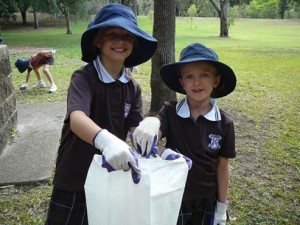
(116, 15)
(170, 73)
(22, 64)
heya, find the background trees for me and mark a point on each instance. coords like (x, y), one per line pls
(7, 10)
(83, 9)
(164, 21)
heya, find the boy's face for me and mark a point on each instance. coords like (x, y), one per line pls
(115, 44)
(198, 79)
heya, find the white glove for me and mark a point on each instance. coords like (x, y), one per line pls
(169, 154)
(53, 50)
(145, 136)
(116, 152)
(220, 215)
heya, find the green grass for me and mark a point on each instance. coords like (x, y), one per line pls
(265, 54)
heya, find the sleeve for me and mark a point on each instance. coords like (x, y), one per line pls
(136, 111)
(164, 119)
(228, 145)
(79, 94)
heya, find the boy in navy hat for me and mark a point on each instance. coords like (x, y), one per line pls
(196, 128)
(42, 59)
(104, 103)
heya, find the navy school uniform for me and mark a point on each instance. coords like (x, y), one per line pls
(202, 140)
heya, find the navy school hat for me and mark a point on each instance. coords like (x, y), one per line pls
(22, 64)
(196, 52)
(117, 15)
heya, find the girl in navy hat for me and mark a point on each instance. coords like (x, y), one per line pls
(194, 127)
(43, 59)
(104, 103)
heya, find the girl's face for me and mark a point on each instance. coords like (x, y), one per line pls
(115, 45)
(198, 79)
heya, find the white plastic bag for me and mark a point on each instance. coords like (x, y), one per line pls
(113, 199)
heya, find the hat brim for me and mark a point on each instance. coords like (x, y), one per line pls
(143, 50)
(170, 74)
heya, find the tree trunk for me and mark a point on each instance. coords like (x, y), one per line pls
(164, 32)
(24, 18)
(68, 23)
(223, 18)
(134, 7)
(36, 21)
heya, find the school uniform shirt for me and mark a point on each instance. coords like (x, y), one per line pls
(113, 104)
(203, 141)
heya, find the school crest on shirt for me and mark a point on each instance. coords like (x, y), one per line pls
(126, 109)
(214, 141)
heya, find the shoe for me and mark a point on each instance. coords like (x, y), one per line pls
(40, 84)
(24, 87)
(52, 88)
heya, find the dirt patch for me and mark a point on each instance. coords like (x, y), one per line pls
(16, 50)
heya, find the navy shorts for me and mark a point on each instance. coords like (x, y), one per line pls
(67, 208)
(197, 212)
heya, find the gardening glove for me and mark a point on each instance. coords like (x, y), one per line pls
(117, 155)
(220, 215)
(154, 149)
(145, 136)
(169, 154)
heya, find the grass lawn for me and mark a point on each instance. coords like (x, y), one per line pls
(265, 54)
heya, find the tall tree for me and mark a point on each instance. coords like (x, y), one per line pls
(222, 12)
(23, 6)
(65, 6)
(35, 8)
(68, 7)
(42, 6)
(164, 32)
(283, 6)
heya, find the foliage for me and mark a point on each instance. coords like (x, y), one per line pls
(263, 9)
(146, 7)
(70, 5)
(182, 6)
(7, 10)
(285, 5)
(23, 5)
(232, 15)
(192, 11)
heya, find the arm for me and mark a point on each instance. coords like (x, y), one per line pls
(28, 75)
(223, 175)
(83, 126)
(117, 154)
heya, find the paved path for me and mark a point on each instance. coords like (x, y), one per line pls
(31, 155)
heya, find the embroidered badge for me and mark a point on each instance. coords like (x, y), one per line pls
(214, 141)
(126, 109)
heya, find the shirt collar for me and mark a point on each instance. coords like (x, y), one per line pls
(105, 77)
(183, 110)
